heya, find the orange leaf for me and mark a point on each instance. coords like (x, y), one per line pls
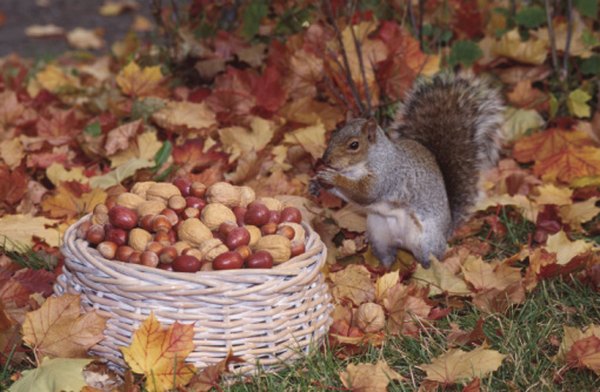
(457, 365)
(210, 376)
(353, 283)
(569, 163)
(404, 307)
(69, 203)
(58, 329)
(585, 353)
(160, 353)
(138, 82)
(542, 145)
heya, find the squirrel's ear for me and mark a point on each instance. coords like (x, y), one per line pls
(369, 128)
(349, 115)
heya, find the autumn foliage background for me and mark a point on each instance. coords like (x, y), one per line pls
(248, 92)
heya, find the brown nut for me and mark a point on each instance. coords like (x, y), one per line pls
(100, 209)
(149, 259)
(135, 257)
(193, 231)
(123, 252)
(162, 191)
(224, 193)
(100, 218)
(83, 228)
(190, 212)
(177, 203)
(228, 260)
(278, 246)
(151, 207)
(171, 215)
(123, 217)
(297, 248)
(116, 235)
(129, 200)
(370, 317)
(180, 246)
(140, 188)
(268, 228)
(216, 213)
(139, 239)
(161, 223)
(255, 234)
(95, 234)
(197, 189)
(167, 254)
(299, 232)
(107, 249)
(154, 246)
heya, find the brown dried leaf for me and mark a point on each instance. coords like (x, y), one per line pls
(366, 377)
(353, 283)
(459, 366)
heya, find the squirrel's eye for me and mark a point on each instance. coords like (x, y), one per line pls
(353, 145)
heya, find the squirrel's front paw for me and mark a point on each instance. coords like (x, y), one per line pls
(326, 177)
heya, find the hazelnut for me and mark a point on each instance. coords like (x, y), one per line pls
(123, 252)
(107, 249)
(167, 254)
(177, 203)
(161, 223)
(95, 234)
(149, 259)
(197, 189)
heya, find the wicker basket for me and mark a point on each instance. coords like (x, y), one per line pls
(266, 316)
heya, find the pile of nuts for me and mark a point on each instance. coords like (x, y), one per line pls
(187, 227)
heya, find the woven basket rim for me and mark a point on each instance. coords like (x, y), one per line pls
(293, 266)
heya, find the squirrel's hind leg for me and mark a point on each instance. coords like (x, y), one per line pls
(381, 239)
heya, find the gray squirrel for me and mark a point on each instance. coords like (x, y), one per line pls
(417, 182)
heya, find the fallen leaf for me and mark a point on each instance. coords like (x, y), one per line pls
(57, 173)
(58, 374)
(81, 38)
(11, 152)
(58, 328)
(532, 51)
(13, 185)
(353, 283)
(585, 353)
(140, 82)
(68, 202)
(351, 218)
(543, 145)
(574, 334)
(384, 283)
(118, 138)
(564, 248)
(19, 229)
(239, 140)
(312, 139)
(440, 280)
(143, 147)
(159, 354)
(578, 213)
(209, 377)
(551, 194)
(119, 174)
(182, 117)
(47, 30)
(459, 366)
(404, 307)
(366, 377)
(484, 275)
(577, 103)
(519, 121)
(53, 79)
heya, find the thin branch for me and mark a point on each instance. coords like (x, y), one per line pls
(552, 38)
(421, 14)
(358, 48)
(412, 19)
(565, 73)
(348, 72)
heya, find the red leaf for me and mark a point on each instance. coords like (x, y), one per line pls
(13, 185)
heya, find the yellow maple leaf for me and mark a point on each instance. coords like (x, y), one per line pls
(58, 328)
(66, 203)
(551, 194)
(483, 275)
(532, 51)
(239, 140)
(384, 283)
(353, 283)
(138, 82)
(159, 354)
(144, 148)
(53, 79)
(19, 229)
(312, 139)
(577, 103)
(564, 248)
(183, 117)
(581, 212)
(519, 121)
(459, 366)
(440, 279)
(57, 173)
(366, 377)
(11, 152)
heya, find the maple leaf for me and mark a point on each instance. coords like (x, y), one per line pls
(138, 82)
(564, 248)
(69, 202)
(10, 108)
(184, 117)
(551, 194)
(305, 71)
(121, 173)
(404, 306)
(487, 276)
(59, 127)
(578, 213)
(62, 374)
(585, 353)
(524, 95)
(459, 366)
(81, 38)
(11, 152)
(311, 112)
(159, 354)
(13, 185)
(239, 140)
(54, 79)
(384, 283)
(209, 377)
(543, 145)
(519, 121)
(532, 51)
(58, 329)
(570, 163)
(57, 173)
(143, 148)
(573, 335)
(499, 301)
(233, 92)
(441, 279)
(23, 283)
(366, 377)
(458, 337)
(118, 138)
(353, 283)
(19, 229)
(206, 166)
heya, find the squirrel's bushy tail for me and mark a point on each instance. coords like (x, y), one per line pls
(458, 118)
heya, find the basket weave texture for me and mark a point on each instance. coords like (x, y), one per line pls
(265, 316)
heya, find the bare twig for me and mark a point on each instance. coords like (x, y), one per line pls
(552, 38)
(421, 14)
(413, 21)
(358, 48)
(346, 68)
(565, 71)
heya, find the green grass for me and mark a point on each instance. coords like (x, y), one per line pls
(523, 334)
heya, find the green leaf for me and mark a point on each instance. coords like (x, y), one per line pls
(531, 17)
(93, 129)
(577, 103)
(253, 14)
(591, 66)
(122, 172)
(587, 7)
(464, 52)
(163, 154)
(553, 106)
(58, 374)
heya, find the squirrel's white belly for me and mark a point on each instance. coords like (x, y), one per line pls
(399, 226)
